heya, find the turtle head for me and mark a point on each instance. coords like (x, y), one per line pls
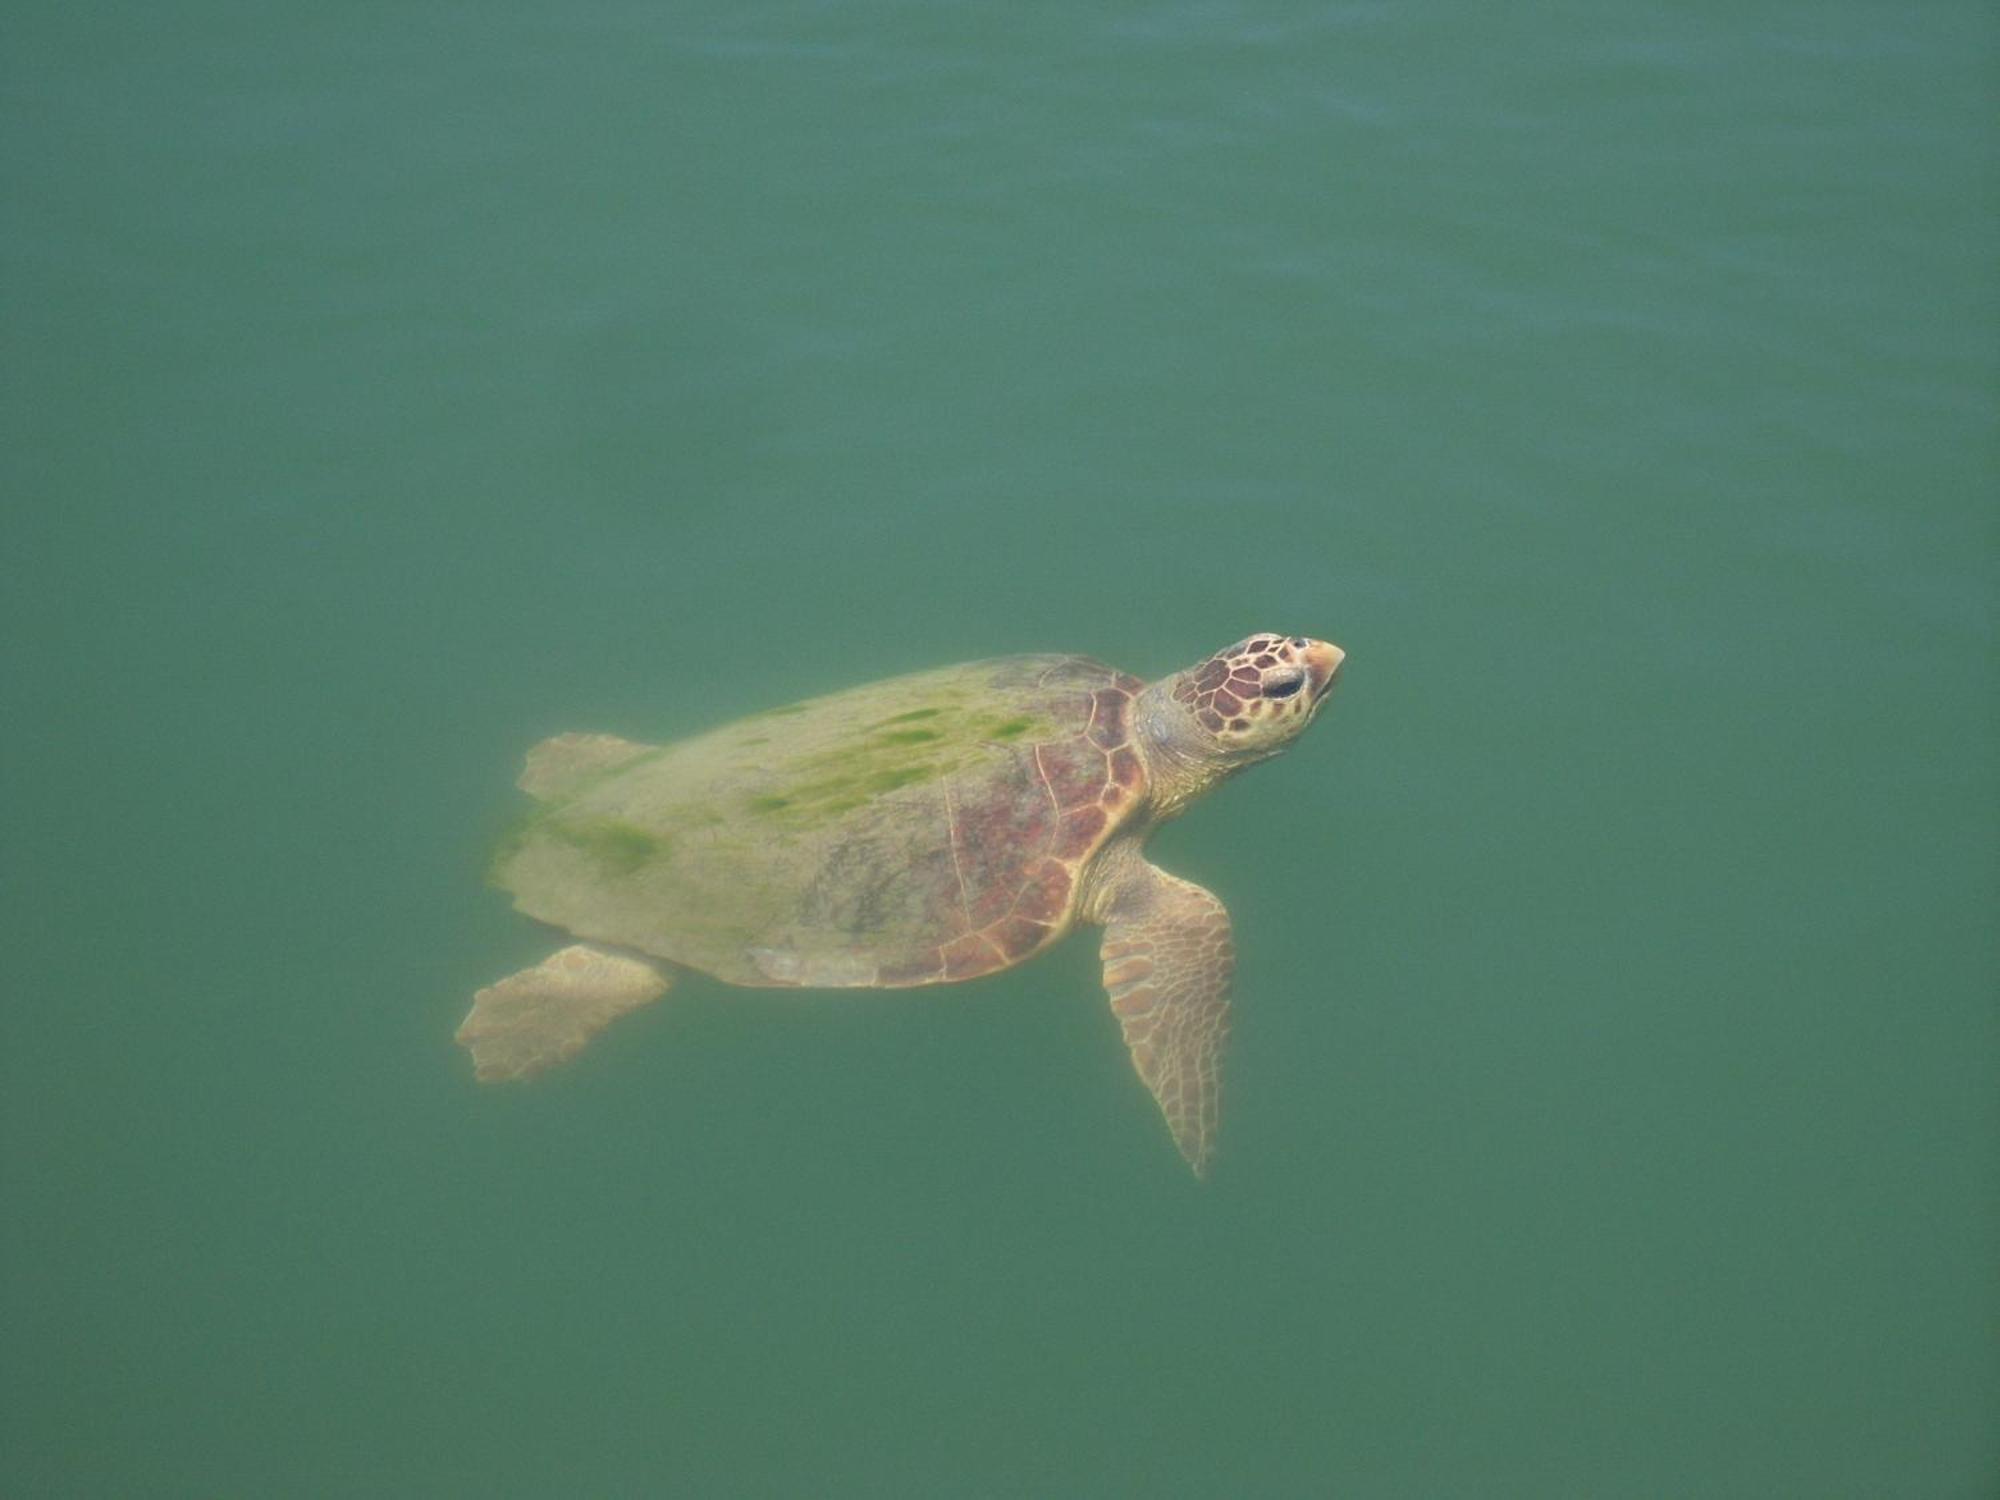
(1242, 705)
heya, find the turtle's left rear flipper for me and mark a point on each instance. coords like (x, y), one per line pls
(542, 1016)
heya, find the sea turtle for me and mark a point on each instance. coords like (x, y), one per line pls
(921, 830)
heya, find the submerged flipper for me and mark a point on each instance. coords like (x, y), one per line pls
(557, 767)
(542, 1016)
(1168, 958)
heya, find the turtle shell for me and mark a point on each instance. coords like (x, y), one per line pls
(919, 830)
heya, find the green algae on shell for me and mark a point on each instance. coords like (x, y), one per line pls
(877, 821)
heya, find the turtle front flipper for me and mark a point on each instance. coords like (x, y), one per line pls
(539, 1017)
(1168, 957)
(562, 766)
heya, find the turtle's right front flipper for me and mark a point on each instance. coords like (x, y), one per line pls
(1168, 957)
(539, 1017)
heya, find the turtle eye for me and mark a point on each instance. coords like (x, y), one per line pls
(1285, 685)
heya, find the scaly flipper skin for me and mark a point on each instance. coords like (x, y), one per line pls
(1168, 957)
(534, 1019)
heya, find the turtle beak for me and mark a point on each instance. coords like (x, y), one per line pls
(1323, 659)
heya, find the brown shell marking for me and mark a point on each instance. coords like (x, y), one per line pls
(1088, 779)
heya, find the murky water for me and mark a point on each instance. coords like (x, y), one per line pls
(1610, 1110)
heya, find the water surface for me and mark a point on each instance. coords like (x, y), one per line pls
(1611, 1105)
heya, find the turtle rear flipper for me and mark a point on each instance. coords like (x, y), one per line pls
(558, 767)
(539, 1017)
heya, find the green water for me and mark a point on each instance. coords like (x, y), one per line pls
(1612, 1109)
